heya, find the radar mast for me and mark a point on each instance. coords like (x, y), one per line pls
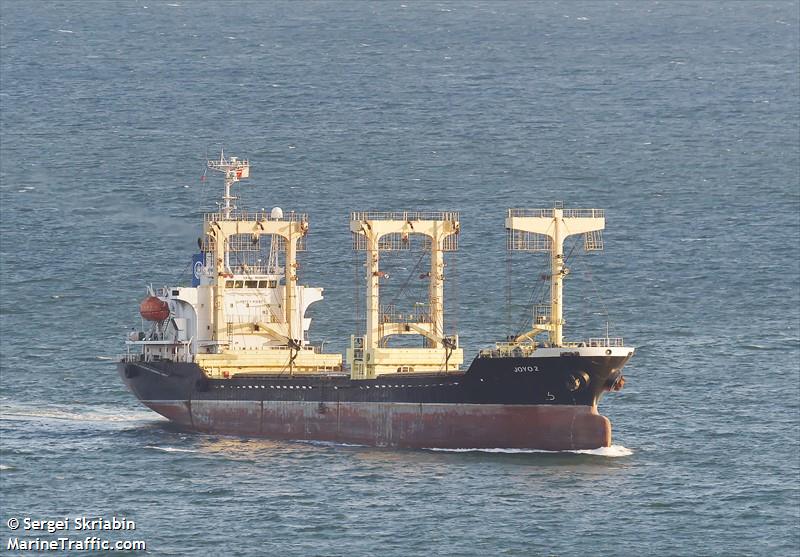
(234, 170)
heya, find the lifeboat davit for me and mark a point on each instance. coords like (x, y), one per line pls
(153, 309)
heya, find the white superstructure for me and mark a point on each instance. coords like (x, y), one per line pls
(246, 311)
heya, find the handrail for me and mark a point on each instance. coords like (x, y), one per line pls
(567, 213)
(606, 341)
(405, 215)
(389, 314)
(254, 215)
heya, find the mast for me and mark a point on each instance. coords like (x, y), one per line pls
(294, 334)
(373, 289)
(234, 170)
(436, 287)
(546, 230)
(557, 272)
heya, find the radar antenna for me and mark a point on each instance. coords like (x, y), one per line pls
(234, 170)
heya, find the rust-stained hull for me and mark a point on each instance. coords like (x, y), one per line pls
(490, 405)
(450, 426)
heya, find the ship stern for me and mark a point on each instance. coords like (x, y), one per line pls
(164, 387)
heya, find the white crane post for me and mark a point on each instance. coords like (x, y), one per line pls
(290, 281)
(436, 288)
(373, 290)
(557, 224)
(438, 232)
(218, 291)
(367, 230)
(557, 278)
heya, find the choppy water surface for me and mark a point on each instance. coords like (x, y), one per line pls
(680, 119)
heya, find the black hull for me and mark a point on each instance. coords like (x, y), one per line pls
(539, 403)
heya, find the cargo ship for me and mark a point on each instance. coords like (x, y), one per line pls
(231, 353)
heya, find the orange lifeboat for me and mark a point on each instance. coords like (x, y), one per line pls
(153, 309)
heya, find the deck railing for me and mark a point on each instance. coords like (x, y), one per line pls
(405, 215)
(606, 341)
(568, 213)
(254, 215)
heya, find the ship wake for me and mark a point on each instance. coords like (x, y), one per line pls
(169, 449)
(614, 451)
(85, 414)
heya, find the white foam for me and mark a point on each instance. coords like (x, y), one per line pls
(96, 414)
(6, 467)
(65, 31)
(613, 451)
(170, 449)
(329, 443)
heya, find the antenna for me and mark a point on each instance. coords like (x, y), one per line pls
(234, 170)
